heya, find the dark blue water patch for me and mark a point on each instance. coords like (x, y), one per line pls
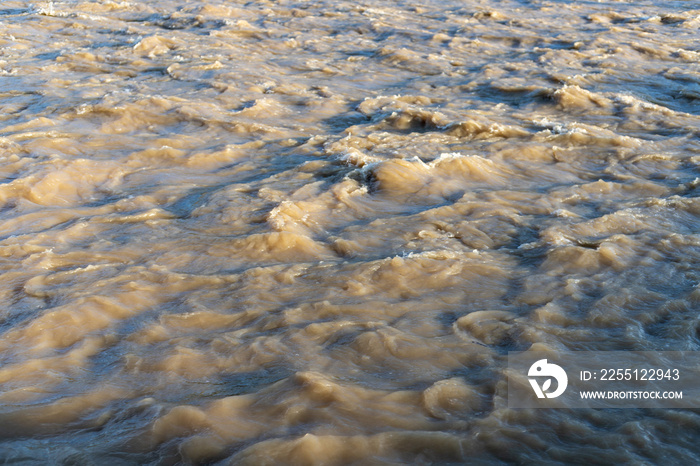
(105, 200)
(14, 11)
(664, 333)
(157, 70)
(447, 318)
(514, 98)
(689, 190)
(557, 44)
(87, 445)
(22, 310)
(343, 337)
(9, 204)
(7, 207)
(110, 46)
(152, 18)
(361, 53)
(186, 22)
(530, 258)
(196, 197)
(58, 226)
(243, 383)
(115, 32)
(675, 94)
(171, 23)
(177, 23)
(29, 103)
(339, 123)
(47, 55)
(680, 97)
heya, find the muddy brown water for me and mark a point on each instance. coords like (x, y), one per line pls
(286, 232)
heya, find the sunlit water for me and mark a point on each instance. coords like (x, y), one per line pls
(288, 232)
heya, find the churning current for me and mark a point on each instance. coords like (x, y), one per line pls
(288, 232)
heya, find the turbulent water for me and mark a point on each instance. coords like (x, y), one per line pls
(287, 232)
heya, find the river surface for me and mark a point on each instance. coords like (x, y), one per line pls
(288, 232)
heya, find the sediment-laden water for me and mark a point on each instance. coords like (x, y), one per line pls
(287, 232)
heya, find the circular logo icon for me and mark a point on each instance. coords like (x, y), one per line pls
(541, 369)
